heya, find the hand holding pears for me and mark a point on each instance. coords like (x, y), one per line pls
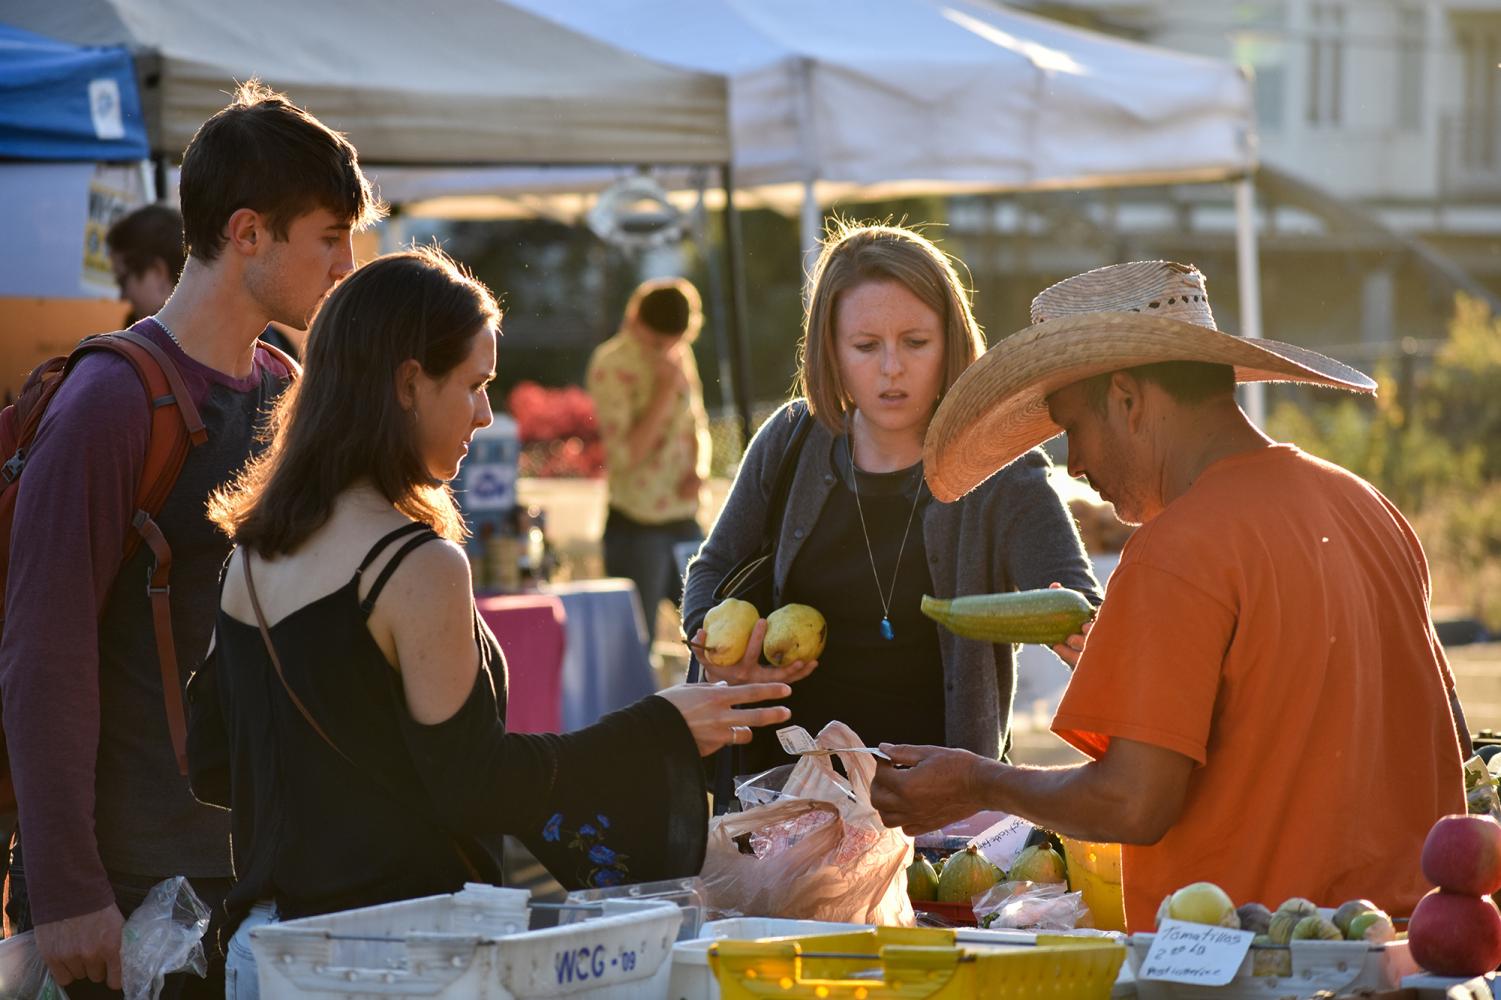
(793, 638)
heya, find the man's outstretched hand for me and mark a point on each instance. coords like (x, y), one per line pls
(925, 788)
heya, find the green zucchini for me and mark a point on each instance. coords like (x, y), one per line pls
(1045, 617)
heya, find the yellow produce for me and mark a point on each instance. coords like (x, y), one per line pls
(1316, 928)
(794, 632)
(1200, 903)
(727, 630)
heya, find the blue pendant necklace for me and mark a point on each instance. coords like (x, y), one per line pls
(887, 632)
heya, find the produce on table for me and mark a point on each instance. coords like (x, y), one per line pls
(1254, 917)
(1455, 935)
(1462, 854)
(1348, 911)
(1316, 928)
(922, 881)
(966, 875)
(1038, 863)
(1268, 959)
(1286, 917)
(1200, 903)
(794, 632)
(727, 631)
(1373, 926)
(1046, 617)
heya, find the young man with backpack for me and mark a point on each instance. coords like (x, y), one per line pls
(91, 711)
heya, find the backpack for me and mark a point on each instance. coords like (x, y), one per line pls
(175, 429)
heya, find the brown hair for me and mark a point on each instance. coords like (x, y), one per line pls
(854, 254)
(342, 421)
(149, 234)
(264, 153)
(668, 306)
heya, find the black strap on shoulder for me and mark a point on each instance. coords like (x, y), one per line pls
(786, 471)
(368, 604)
(387, 539)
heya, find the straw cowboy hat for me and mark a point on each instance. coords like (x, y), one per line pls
(1101, 321)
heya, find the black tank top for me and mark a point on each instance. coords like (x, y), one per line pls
(415, 809)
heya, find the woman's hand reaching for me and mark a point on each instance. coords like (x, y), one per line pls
(709, 710)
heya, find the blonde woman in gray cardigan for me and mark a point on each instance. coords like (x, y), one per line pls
(889, 329)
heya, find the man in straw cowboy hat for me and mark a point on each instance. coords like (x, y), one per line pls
(1262, 695)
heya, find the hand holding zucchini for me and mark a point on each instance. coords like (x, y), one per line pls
(1046, 617)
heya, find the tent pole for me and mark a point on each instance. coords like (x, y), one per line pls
(721, 314)
(1248, 273)
(737, 312)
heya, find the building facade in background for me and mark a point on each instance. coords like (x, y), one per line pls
(1379, 127)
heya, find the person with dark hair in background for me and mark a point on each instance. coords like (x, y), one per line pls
(348, 695)
(650, 406)
(269, 198)
(145, 252)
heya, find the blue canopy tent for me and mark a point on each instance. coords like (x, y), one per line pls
(67, 102)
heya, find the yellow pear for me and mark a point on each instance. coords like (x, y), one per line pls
(727, 629)
(794, 632)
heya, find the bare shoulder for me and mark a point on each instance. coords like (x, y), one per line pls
(431, 578)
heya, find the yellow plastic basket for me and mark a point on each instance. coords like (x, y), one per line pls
(893, 963)
(1095, 871)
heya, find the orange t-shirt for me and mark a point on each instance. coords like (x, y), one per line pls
(1272, 624)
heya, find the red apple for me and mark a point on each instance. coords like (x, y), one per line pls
(1455, 935)
(1463, 855)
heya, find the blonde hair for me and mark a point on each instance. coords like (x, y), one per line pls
(853, 254)
(683, 287)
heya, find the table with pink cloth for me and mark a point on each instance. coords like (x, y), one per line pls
(574, 652)
(531, 631)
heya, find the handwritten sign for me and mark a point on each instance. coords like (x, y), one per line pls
(1196, 954)
(1001, 843)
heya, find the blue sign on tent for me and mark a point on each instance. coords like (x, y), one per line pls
(67, 102)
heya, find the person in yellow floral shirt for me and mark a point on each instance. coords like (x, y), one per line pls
(656, 436)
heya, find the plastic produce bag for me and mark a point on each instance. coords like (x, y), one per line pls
(23, 974)
(1033, 906)
(163, 935)
(817, 851)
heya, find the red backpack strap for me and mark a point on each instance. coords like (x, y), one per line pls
(176, 428)
(294, 369)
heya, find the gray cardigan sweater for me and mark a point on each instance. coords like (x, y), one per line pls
(1010, 533)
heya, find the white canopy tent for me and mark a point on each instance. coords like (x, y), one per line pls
(866, 99)
(447, 82)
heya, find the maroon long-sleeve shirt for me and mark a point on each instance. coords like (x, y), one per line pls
(85, 722)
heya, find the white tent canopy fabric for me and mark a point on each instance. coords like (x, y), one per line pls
(446, 82)
(874, 98)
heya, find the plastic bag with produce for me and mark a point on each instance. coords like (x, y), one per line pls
(816, 851)
(1032, 906)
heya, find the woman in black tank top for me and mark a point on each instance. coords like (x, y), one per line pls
(352, 713)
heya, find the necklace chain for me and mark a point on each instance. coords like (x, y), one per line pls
(168, 330)
(887, 595)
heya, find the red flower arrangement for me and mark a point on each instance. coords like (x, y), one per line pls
(558, 431)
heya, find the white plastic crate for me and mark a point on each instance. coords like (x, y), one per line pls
(1336, 966)
(471, 945)
(691, 977)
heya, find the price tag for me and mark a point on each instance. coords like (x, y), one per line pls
(1196, 954)
(795, 740)
(1001, 843)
